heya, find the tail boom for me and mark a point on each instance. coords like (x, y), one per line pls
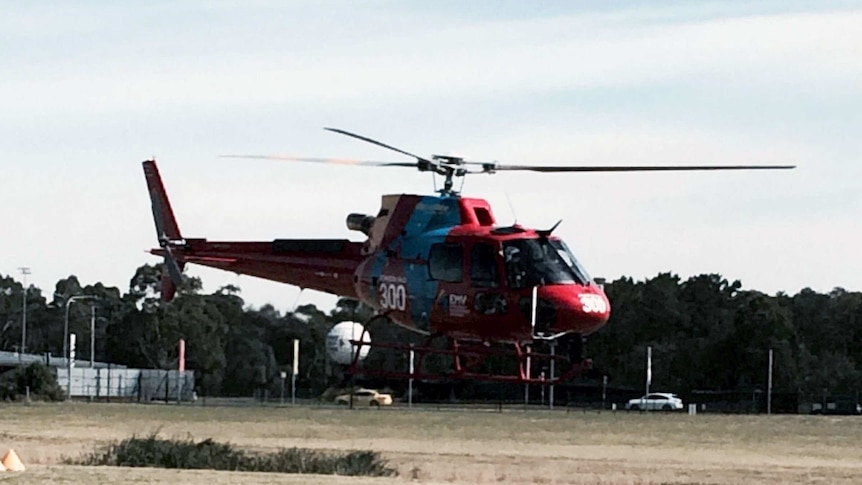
(325, 265)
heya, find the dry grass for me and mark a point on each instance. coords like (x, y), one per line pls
(454, 446)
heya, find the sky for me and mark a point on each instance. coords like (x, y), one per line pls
(90, 89)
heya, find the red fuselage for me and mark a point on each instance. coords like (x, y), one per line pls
(448, 269)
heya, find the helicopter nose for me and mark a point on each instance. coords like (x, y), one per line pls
(580, 309)
(594, 304)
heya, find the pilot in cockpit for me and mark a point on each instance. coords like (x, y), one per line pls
(516, 273)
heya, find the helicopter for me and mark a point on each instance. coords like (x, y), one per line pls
(439, 265)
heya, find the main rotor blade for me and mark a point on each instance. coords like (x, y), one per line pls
(633, 168)
(375, 142)
(337, 161)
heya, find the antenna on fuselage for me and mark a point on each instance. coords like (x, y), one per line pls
(296, 302)
(511, 207)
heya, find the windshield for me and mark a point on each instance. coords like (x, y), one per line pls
(573, 263)
(541, 261)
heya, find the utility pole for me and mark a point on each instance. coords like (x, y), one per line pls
(648, 368)
(645, 404)
(92, 336)
(295, 372)
(24, 271)
(769, 387)
(410, 381)
(553, 362)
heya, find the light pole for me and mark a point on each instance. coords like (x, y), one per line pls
(24, 271)
(66, 322)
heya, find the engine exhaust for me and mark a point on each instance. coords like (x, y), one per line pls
(360, 222)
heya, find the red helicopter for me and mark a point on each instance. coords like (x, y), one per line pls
(439, 265)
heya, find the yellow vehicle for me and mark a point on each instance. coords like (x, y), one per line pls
(365, 397)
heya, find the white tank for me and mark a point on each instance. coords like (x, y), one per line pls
(338, 344)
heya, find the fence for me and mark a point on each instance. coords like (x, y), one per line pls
(127, 384)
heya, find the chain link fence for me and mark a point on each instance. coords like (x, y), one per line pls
(141, 385)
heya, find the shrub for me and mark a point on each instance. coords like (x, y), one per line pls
(153, 451)
(38, 377)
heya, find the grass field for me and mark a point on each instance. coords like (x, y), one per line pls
(449, 446)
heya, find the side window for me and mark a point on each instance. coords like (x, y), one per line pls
(483, 266)
(446, 262)
(490, 303)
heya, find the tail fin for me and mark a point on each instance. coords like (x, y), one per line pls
(167, 229)
(163, 214)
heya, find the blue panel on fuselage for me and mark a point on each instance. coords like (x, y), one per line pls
(430, 222)
(433, 213)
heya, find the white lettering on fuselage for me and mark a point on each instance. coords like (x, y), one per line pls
(385, 278)
(458, 305)
(593, 303)
(392, 296)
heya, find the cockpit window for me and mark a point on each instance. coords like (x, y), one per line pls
(541, 261)
(445, 262)
(483, 265)
(580, 272)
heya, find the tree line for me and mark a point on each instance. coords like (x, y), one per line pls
(706, 333)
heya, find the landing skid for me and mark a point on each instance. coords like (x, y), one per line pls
(468, 357)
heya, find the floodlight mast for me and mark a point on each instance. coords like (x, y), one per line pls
(24, 272)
